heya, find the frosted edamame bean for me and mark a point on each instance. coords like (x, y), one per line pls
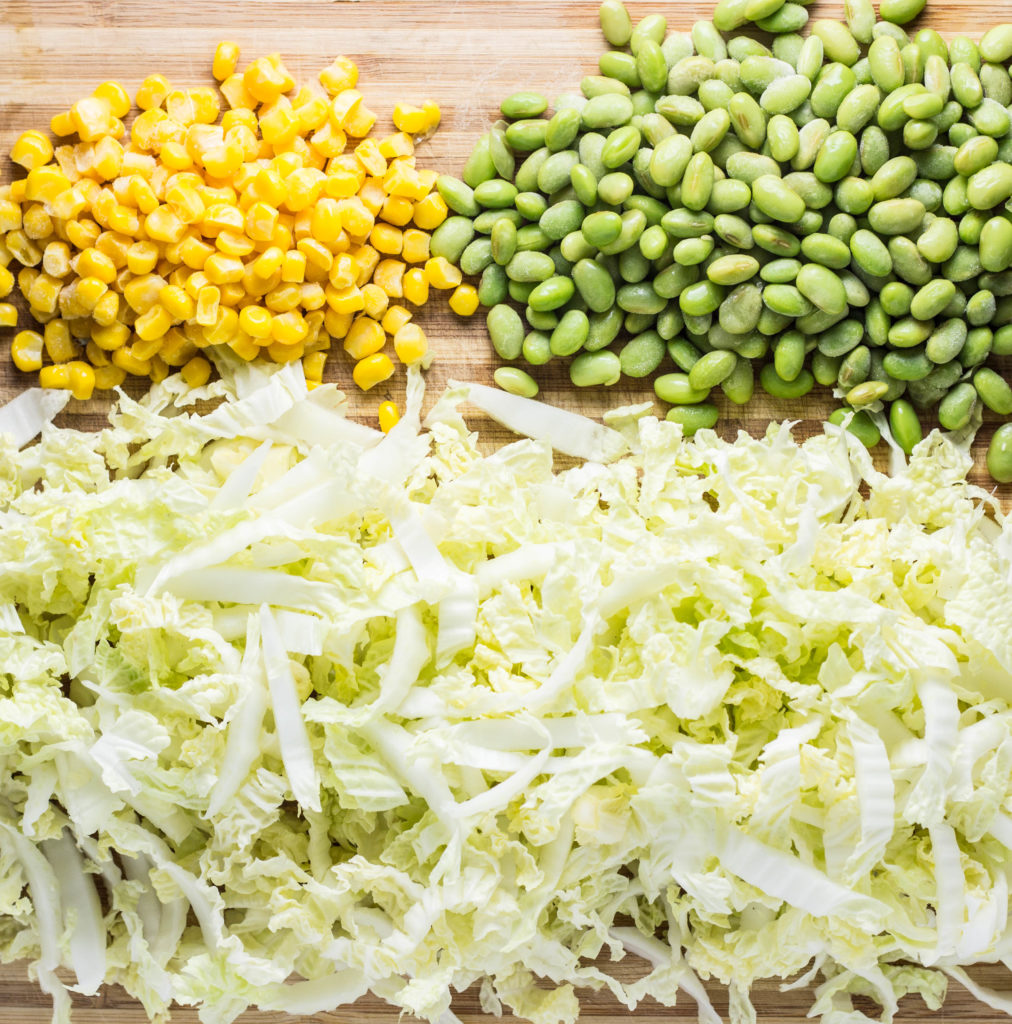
(675, 389)
(773, 384)
(642, 355)
(994, 391)
(693, 418)
(506, 330)
(957, 406)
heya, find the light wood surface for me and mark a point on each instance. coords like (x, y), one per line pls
(466, 55)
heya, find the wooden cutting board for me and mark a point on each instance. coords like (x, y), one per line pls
(466, 55)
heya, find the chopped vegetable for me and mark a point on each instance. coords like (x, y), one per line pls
(391, 715)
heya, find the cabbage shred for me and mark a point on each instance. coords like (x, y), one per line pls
(282, 697)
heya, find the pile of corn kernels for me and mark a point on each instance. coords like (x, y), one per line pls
(274, 230)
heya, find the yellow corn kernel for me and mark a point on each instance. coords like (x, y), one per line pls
(367, 259)
(364, 337)
(176, 348)
(289, 328)
(268, 262)
(67, 205)
(409, 119)
(152, 324)
(221, 269)
(410, 344)
(370, 157)
(343, 106)
(176, 303)
(293, 267)
(285, 353)
(355, 217)
(464, 300)
(341, 74)
(196, 372)
(108, 158)
(109, 377)
(125, 221)
(389, 275)
(360, 122)
(256, 322)
(345, 300)
(116, 96)
(92, 118)
(328, 140)
(389, 416)
(343, 271)
(163, 225)
(174, 156)
(106, 309)
(146, 349)
(7, 282)
(244, 346)
(313, 296)
(397, 145)
(283, 298)
(152, 92)
(441, 273)
(81, 380)
(427, 178)
(337, 324)
(372, 195)
(233, 245)
(304, 187)
(60, 346)
(372, 370)
(142, 257)
(225, 327)
(95, 355)
(312, 365)
(261, 220)
(433, 115)
(142, 194)
(266, 80)
(232, 293)
(237, 96)
(10, 216)
(55, 377)
(394, 319)
(32, 149)
(208, 299)
(36, 223)
(226, 56)
(45, 293)
(94, 263)
(316, 254)
(61, 124)
(403, 180)
(44, 184)
(397, 210)
(115, 246)
(326, 224)
(110, 337)
(374, 301)
(125, 359)
(159, 369)
(223, 161)
(416, 286)
(343, 182)
(416, 246)
(387, 239)
(82, 233)
(8, 314)
(141, 293)
(26, 351)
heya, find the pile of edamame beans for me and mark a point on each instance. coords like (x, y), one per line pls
(834, 208)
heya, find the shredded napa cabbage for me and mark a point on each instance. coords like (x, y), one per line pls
(282, 698)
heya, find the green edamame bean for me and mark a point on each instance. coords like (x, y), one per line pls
(899, 12)
(789, 355)
(506, 330)
(995, 244)
(782, 136)
(909, 364)
(693, 418)
(641, 355)
(905, 425)
(451, 238)
(739, 385)
(492, 289)
(516, 381)
(570, 333)
(946, 341)
(592, 369)
(608, 110)
(733, 269)
(826, 250)
(526, 136)
(855, 368)
(870, 253)
(957, 406)
(931, 299)
(775, 385)
(615, 22)
(551, 293)
(994, 391)
(503, 241)
(537, 348)
(675, 389)
(841, 338)
(866, 393)
(530, 267)
(523, 104)
(777, 199)
(978, 346)
(620, 146)
(477, 256)
(860, 425)
(822, 288)
(711, 369)
(837, 41)
(897, 216)
(999, 454)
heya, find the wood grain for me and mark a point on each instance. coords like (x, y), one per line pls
(466, 55)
